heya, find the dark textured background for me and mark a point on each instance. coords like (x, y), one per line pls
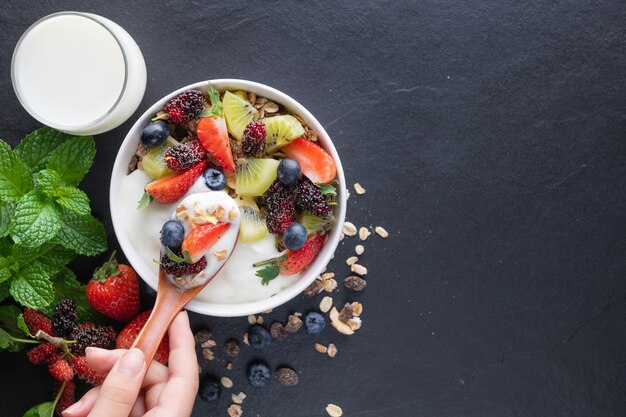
(490, 138)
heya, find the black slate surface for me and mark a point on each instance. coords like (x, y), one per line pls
(490, 138)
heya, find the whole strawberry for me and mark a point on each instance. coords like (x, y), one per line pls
(114, 290)
(127, 337)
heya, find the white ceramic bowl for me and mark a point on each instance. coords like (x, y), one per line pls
(120, 168)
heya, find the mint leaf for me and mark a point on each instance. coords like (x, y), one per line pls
(6, 212)
(66, 285)
(48, 181)
(41, 410)
(73, 159)
(9, 328)
(146, 199)
(21, 324)
(267, 274)
(73, 199)
(5, 269)
(32, 287)
(16, 179)
(50, 257)
(174, 257)
(35, 149)
(36, 220)
(4, 290)
(327, 189)
(81, 233)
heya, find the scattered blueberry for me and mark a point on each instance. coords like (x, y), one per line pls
(314, 322)
(259, 338)
(172, 234)
(210, 389)
(259, 374)
(295, 236)
(289, 172)
(214, 179)
(154, 134)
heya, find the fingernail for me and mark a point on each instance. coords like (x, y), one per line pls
(69, 411)
(131, 363)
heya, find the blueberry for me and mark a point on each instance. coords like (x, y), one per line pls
(172, 234)
(259, 374)
(154, 134)
(295, 236)
(210, 388)
(314, 322)
(289, 172)
(214, 179)
(259, 338)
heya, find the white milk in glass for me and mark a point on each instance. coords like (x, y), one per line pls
(78, 72)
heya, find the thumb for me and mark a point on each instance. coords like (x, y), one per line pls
(121, 387)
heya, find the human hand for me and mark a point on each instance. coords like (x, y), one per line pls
(131, 390)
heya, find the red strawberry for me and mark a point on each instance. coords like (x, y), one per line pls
(60, 369)
(213, 134)
(299, 259)
(114, 290)
(86, 372)
(200, 239)
(41, 354)
(36, 320)
(314, 161)
(171, 188)
(127, 337)
(67, 397)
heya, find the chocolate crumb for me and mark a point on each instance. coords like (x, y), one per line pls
(287, 377)
(278, 332)
(314, 289)
(231, 347)
(354, 283)
(293, 324)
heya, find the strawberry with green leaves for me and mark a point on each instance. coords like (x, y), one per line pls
(213, 133)
(114, 290)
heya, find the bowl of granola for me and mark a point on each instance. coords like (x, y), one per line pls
(265, 151)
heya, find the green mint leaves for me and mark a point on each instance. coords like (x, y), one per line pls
(271, 270)
(45, 220)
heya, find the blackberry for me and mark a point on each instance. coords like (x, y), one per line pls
(253, 141)
(185, 107)
(311, 198)
(184, 155)
(64, 319)
(280, 207)
(182, 268)
(100, 337)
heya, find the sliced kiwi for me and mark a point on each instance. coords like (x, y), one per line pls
(238, 113)
(254, 176)
(153, 163)
(314, 224)
(252, 226)
(280, 131)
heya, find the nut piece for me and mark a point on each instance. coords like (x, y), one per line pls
(208, 354)
(226, 382)
(352, 260)
(359, 190)
(349, 229)
(381, 232)
(358, 269)
(293, 323)
(334, 410)
(346, 313)
(238, 398)
(321, 348)
(332, 350)
(314, 289)
(287, 377)
(339, 325)
(359, 249)
(326, 304)
(278, 332)
(357, 308)
(231, 347)
(364, 233)
(354, 283)
(235, 410)
(202, 335)
(208, 344)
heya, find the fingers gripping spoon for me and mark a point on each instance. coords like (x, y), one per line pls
(211, 223)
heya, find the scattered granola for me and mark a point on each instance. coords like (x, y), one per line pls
(287, 377)
(202, 336)
(346, 313)
(354, 283)
(252, 319)
(314, 289)
(293, 323)
(352, 260)
(359, 190)
(220, 255)
(339, 325)
(245, 339)
(334, 410)
(358, 269)
(231, 347)
(349, 229)
(259, 320)
(278, 332)
(359, 249)
(364, 233)
(326, 304)
(235, 410)
(332, 350)
(328, 281)
(208, 354)
(238, 398)
(226, 382)
(381, 232)
(229, 365)
(357, 308)
(321, 348)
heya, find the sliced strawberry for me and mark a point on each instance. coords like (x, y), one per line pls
(314, 161)
(213, 135)
(299, 259)
(200, 239)
(170, 189)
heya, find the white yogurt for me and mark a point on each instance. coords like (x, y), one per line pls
(235, 283)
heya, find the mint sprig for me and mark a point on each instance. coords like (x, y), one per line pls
(271, 270)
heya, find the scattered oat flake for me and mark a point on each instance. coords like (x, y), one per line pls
(226, 382)
(355, 323)
(326, 304)
(208, 354)
(352, 260)
(330, 285)
(339, 325)
(259, 320)
(357, 308)
(245, 339)
(232, 215)
(381, 232)
(358, 269)
(342, 236)
(321, 348)
(334, 410)
(359, 190)
(364, 233)
(235, 410)
(359, 249)
(332, 350)
(349, 229)
(229, 366)
(238, 398)
(221, 254)
(252, 319)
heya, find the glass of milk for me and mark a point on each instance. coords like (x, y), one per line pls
(79, 73)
